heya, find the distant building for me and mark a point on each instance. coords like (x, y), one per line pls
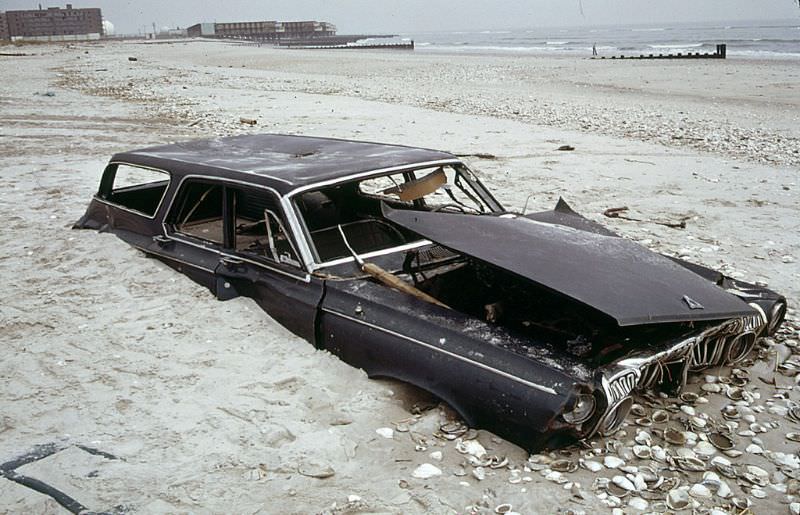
(263, 30)
(52, 24)
(3, 28)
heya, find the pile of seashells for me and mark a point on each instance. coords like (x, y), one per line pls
(727, 444)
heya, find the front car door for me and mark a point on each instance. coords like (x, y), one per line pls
(260, 260)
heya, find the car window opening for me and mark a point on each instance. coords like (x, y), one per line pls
(135, 188)
(356, 207)
(259, 230)
(200, 212)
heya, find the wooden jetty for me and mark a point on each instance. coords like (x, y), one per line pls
(719, 54)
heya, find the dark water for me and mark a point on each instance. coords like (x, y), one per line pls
(765, 40)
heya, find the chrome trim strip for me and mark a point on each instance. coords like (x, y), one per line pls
(134, 211)
(478, 364)
(374, 253)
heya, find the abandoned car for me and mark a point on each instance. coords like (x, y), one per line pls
(398, 260)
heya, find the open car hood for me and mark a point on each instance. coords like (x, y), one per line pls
(613, 275)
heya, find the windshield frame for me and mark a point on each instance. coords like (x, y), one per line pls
(494, 207)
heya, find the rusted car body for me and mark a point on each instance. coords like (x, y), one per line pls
(401, 262)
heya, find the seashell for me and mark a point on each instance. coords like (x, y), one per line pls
(642, 452)
(735, 393)
(426, 471)
(561, 466)
(460, 472)
(721, 441)
(690, 464)
(724, 491)
(670, 483)
(678, 499)
(644, 438)
(733, 453)
(591, 465)
(700, 491)
(698, 422)
(795, 437)
(756, 475)
(639, 483)
(683, 452)
(496, 462)
(740, 503)
(659, 454)
(689, 410)
(617, 491)
(623, 482)
(674, 436)
(643, 421)
(794, 413)
(705, 449)
(659, 416)
(637, 503)
(452, 430)
(479, 473)
(731, 412)
(711, 388)
(612, 462)
(503, 508)
(758, 493)
(637, 410)
(754, 449)
(471, 447)
(689, 397)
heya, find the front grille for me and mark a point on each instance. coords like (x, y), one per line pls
(621, 386)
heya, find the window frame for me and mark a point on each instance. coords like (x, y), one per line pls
(107, 187)
(297, 272)
(316, 263)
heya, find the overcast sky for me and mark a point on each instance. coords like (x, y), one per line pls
(361, 16)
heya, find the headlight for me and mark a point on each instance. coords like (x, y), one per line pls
(582, 411)
(776, 316)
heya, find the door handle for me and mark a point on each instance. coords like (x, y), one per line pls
(231, 262)
(161, 240)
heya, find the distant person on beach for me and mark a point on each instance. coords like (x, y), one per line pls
(594, 48)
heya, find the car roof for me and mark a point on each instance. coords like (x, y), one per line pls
(280, 161)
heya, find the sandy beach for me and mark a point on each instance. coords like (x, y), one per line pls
(211, 407)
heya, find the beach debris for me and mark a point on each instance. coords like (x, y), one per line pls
(618, 212)
(678, 499)
(248, 121)
(426, 471)
(479, 155)
(386, 432)
(133, 59)
(316, 469)
(566, 148)
(471, 447)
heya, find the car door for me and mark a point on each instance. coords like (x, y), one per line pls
(260, 260)
(194, 230)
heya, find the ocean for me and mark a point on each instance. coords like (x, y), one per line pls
(778, 39)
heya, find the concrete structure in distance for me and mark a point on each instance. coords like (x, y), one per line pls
(52, 24)
(263, 30)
